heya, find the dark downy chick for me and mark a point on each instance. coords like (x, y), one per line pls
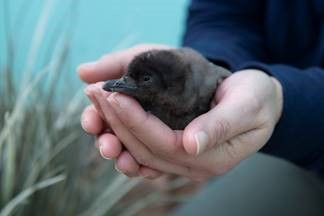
(175, 85)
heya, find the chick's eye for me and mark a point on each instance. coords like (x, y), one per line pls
(147, 78)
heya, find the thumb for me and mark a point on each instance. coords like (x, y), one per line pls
(215, 127)
(112, 65)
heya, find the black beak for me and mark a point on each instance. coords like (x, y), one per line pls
(120, 85)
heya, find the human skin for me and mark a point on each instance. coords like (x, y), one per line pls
(249, 105)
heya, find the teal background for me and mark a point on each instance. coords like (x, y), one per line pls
(93, 28)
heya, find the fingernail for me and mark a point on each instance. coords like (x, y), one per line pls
(84, 123)
(202, 141)
(87, 66)
(101, 152)
(118, 170)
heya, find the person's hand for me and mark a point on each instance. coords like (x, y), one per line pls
(249, 104)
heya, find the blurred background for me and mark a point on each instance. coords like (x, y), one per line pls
(48, 166)
(93, 28)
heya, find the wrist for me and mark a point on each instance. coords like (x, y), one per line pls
(279, 98)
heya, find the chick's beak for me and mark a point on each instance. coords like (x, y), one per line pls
(124, 85)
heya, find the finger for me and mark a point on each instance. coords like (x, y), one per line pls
(136, 148)
(106, 130)
(90, 91)
(154, 134)
(223, 122)
(127, 164)
(150, 130)
(109, 146)
(163, 142)
(91, 121)
(222, 158)
(111, 66)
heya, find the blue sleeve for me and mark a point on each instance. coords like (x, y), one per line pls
(226, 31)
(229, 33)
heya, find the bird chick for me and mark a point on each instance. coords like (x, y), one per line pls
(175, 85)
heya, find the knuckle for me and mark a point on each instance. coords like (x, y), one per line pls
(254, 105)
(221, 129)
(231, 148)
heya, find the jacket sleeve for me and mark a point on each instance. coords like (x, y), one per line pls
(226, 31)
(229, 33)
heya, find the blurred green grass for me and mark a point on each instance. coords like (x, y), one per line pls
(48, 166)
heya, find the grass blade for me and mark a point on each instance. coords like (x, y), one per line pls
(22, 196)
(119, 187)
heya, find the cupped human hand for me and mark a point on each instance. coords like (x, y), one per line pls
(246, 108)
(110, 66)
